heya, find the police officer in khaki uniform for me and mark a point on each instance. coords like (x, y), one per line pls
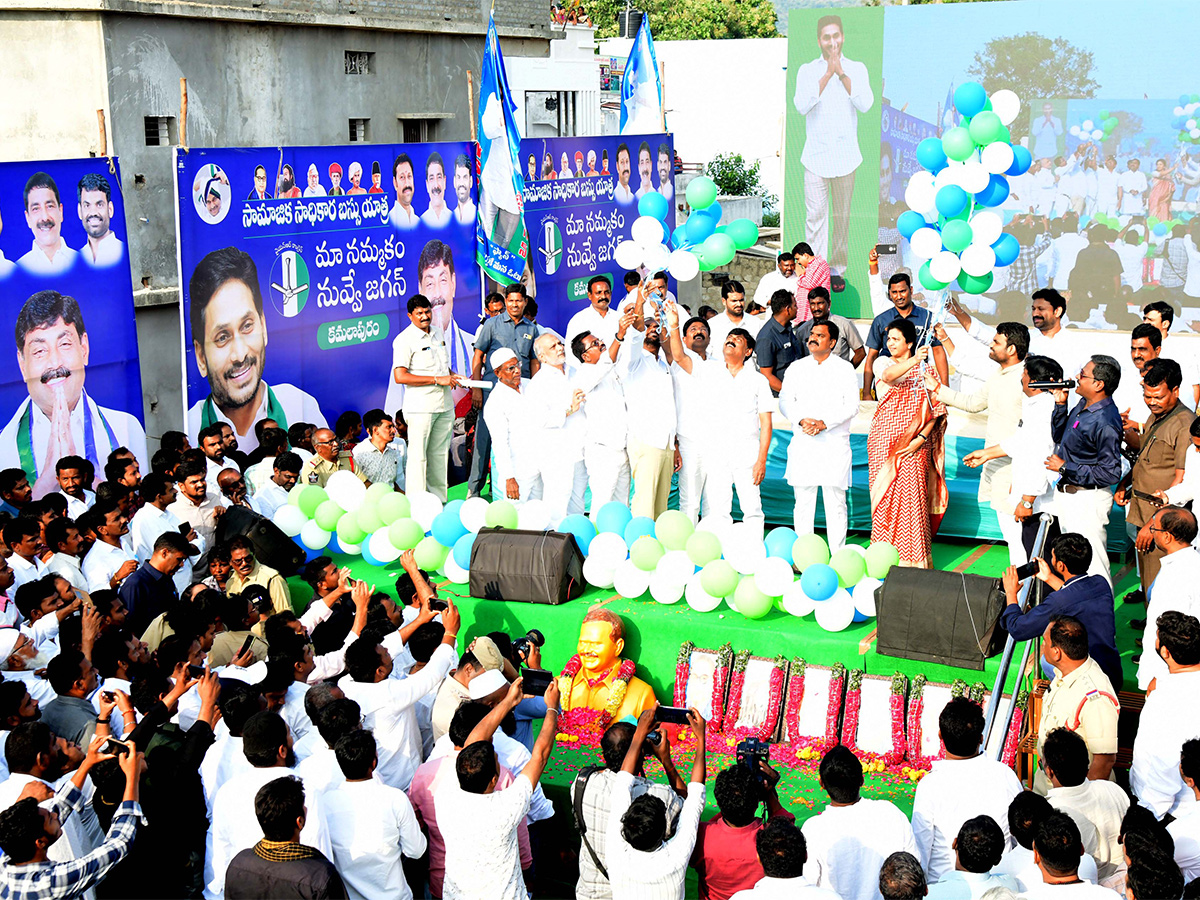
(325, 461)
(1080, 698)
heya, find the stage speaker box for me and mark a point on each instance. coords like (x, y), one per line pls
(529, 566)
(940, 617)
(272, 547)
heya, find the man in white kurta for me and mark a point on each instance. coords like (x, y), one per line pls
(830, 93)
(599, 316)
(556, 407)
(650, 415)
(1132, 188)
(515, 474)
(599, 378)
(691, 417)
(154, 519)
(1176, 586)
(820, 398)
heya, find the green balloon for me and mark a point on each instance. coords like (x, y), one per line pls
(975, 284)
(881, 556)
(368, 518)
(701, 192)
(1005, 135)
(393, 506)
(956, 235)
(294, 494)
(646, 552)
(327, 515)
(348, 529)
(849, 565)
(985, 128)
(703, 547)
(927, 280)
(809, 550)
(1104, 114)
(405, 533)
(720, 249)
(1111, 122)
(310, 498)
(718, 578)
(501, 514)
(370, 501)
(957, 143)
(744, 233)
(430, 554)
(673, 529)
(750, 601)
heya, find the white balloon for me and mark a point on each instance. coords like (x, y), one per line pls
(977, 260)
(1191, 123)
(1007, 105)
(716, 526)
(664, 588)
(455, 572)
(1177, 111)
(628, 254)
(1087, 125)
(290, 519)
(647, 231)
(773, 576)
(745, 555)
(945, 266)
(473, 513)
(974, 177)
(926, 242)
(698, 598)
(683, 265)
(598, 573)
(796, 602)
(533, 515)
(857, 548)
(381, 547)
(836, 613)
(676, 566)
(1097, 134)
(630, 581)
(608, 549)
(1074, 130)
(951, 175)
(986, 226)
(346, 490)
(997, 157)
(864, 595)
(351, 549)
(656, 257)
(425, 507)
(1195, 132)
(313, 536)
(920, 193)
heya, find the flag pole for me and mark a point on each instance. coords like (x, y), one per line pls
(471, 105)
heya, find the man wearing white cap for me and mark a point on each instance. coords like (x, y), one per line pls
(556, 408)
(482, 656)
(515, 473)
(20, 660)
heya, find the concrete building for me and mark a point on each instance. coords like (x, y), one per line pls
(558, 96)
(259, 73)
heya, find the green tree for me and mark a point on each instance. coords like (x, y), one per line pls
(736, 178)
(692, 20)
(1034, 66)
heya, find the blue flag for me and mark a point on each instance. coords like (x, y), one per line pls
(641, 93)
(950, 116)
(501, 243)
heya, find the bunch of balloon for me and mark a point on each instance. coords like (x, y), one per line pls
(1098, 129)
(952, 222)
(1186, 118)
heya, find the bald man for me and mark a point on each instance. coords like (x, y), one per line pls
(233, 488)
(325, 460)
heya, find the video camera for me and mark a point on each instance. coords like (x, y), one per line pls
(751, 752)
(522, 645)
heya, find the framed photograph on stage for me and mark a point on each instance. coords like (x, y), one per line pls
(756, 691)
(873, 724)
(811, 713)
(702, 680)
(926, 700)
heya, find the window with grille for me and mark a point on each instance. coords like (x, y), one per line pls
(415, 131)
(359, 62)
(359, 130)
(160, 131)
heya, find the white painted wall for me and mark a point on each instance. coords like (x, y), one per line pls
(571, 66)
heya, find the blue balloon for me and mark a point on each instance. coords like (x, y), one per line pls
(714, 210)
(462, 550)
(819, 582)
(613, 517)
(1184, 99)
(333, 546)
(931, 155)
(650, 205)
(908, 223)
(447, 527)
(699, 226)
(779, 543)
(679, 238)
(951, 200)
(638, 526)
(1022, 160)
(1160, 229)
(970, 98)
(581, 527)
(995, 193)
(1007, 250)
(859, 617)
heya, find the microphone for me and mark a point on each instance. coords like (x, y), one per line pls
(1066, 384)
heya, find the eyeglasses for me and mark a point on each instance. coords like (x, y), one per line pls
(593, 345)
(322, 443)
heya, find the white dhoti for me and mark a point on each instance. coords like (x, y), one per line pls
(723, 479)
(607, 474)
(692, 498)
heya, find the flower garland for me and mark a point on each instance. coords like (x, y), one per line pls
(720, 683)
(683, 669)
(837, 685)
(795, 694)
(1012, 739)
(875, 762)
(803, 750)
(583, 723)
(765, 731)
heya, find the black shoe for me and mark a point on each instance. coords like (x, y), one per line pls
(1137, 624)
(1137, 658)
(1138, 596)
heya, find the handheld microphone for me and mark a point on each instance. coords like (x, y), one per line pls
(1066, 384)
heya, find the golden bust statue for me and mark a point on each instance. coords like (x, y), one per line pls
(597, 678)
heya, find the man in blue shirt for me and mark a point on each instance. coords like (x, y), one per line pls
(1089, 598)
(900, 293)
(512, 330)
(15, 492)
(1088, 457)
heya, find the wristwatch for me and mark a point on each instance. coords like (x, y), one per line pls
(1026, 504)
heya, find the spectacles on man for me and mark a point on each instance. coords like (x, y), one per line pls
(246, 561)
(593, 344)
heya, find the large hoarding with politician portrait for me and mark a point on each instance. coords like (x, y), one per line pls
(72, 388)
(297, 265)
(581, 198)
(1106, 212)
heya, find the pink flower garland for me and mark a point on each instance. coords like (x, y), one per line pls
(582, 724)
(1012, 739)
(766, 730)
(720, 683)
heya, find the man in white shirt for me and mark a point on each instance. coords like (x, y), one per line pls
(155, 519)
(95, 213)
(1058, 852)
(371, 825)
(515, 470)
(598, 317)
(194, 504)
(465, 210)
(556, 409)
(111, 559)
(438, 214)
(692, 413)
(1175, 587)
(388, 701)
(820, 398)
(274, 494)
(337, 718)
(849, 840)
(733, 296)
(1185, 830)
(1161, 315)
(403, 216)
(1046, 131)
(781, 853)
(22, 536)
(478, 823)
(1067, 245)
(599, 378)
(1170, 717)
(50, 254)
(964, 784)
(831, 91)
(63, 537)
(978, 847)
(642, 861)
(622, 193)
(1131, 189)
(69, 473)
(740, 429)
(781, 278)
(314, 187)
(1026, 812)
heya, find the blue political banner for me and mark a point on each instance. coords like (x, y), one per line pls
(900, 134)
(297, 265)
(73, 388)
(581, 199)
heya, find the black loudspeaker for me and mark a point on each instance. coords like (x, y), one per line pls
(940, 617)
(530, 566)
(272, 547)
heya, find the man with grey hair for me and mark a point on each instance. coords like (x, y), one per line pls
(556, 412)
(901, 878)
